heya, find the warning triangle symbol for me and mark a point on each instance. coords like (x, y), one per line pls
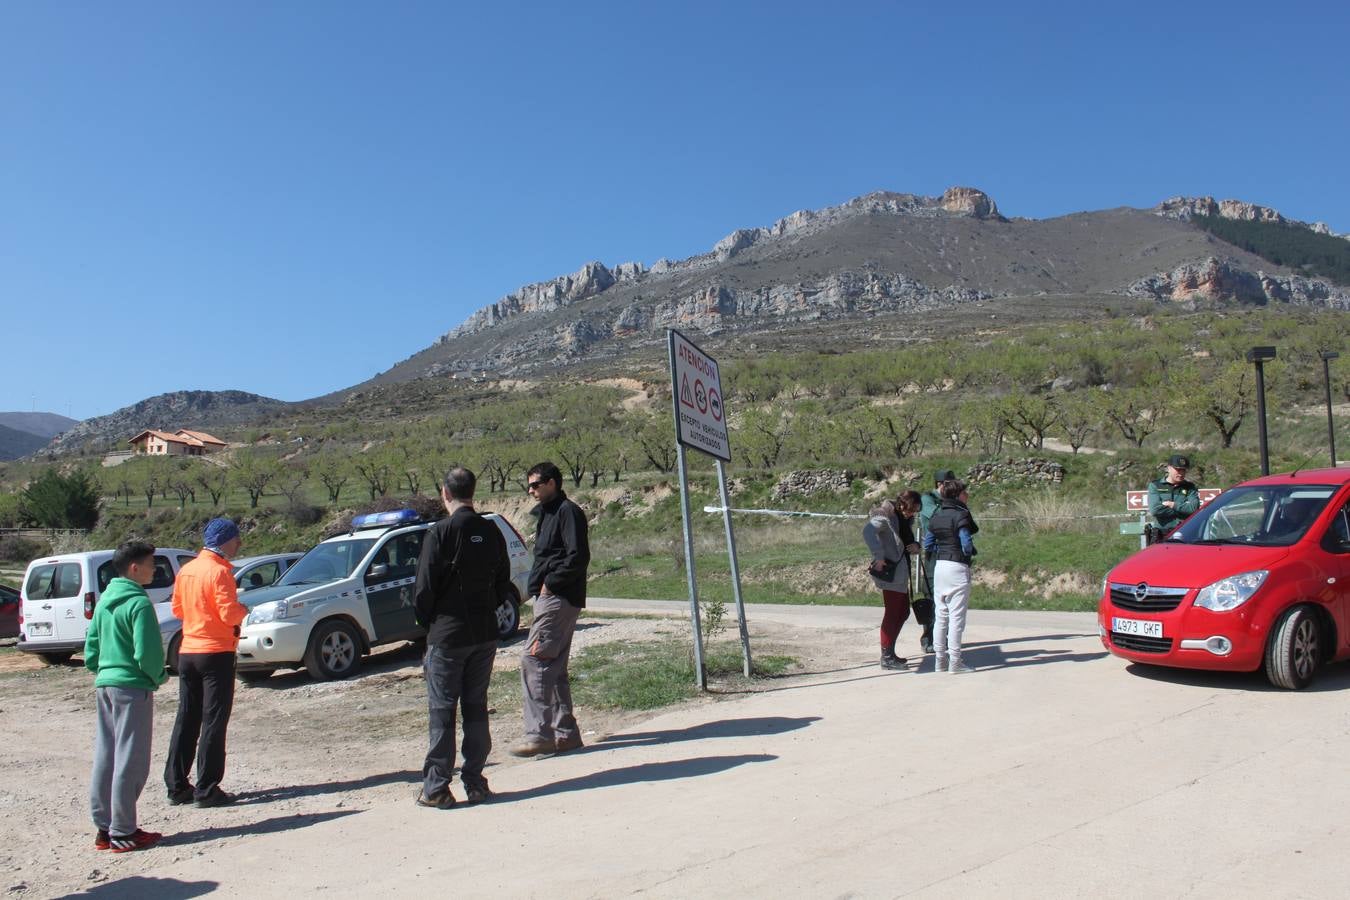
(686, 395)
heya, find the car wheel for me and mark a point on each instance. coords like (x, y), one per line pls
(254, 676)
(171, 655)
(1295, 649)
(334, 651)
(508, 617)
(57, 659)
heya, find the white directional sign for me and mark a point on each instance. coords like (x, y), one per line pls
(1137, 501)
(696, 382)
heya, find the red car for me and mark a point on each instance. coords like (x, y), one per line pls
(9, 612)
(1260, 577)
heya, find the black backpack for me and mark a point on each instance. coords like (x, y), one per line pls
(480, 547)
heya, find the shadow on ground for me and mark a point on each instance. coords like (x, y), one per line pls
(647, 772)
(722, 728)
(1334, 677)
(266, 826)
(144, 888)
(290, 792)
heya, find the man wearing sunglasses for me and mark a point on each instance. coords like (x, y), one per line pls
(558, 586)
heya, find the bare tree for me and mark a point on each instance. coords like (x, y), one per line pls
(1136, 413)
(376, 472)
(333, 474)
(254, 472)
(215, 480)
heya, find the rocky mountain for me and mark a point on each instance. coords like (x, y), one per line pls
(43, 424)
(217, 412)
(880, 259)
(1184, 208)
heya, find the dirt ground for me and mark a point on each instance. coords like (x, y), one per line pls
(298, 749)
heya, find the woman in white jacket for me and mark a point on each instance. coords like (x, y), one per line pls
(890, 538)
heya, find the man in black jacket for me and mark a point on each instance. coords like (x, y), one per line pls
(461, 573)
(558, 585)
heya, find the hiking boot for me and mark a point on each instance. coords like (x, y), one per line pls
(956, 667)
(572, 743)
(101, 840)
(217, 797)
(182, 796)
(443, 800)
(534, 747)
(939, 662)
(137, 840)
(890, 661)
(478, 792)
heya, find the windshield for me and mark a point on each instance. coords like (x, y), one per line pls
(1266, 516)
(328, 562)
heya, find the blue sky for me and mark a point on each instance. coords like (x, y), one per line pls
(289, 197)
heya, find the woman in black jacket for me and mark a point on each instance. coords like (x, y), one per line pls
(950, 537)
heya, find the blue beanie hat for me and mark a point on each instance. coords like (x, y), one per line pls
(220, 531)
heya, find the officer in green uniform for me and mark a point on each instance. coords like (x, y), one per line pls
(1171, 499)
(923, 604)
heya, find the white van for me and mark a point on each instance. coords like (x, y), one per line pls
(351, 593)
(59, 594)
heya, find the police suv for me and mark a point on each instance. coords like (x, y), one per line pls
(351, 593)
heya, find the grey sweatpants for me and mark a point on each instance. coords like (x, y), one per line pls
(543, 671)
(121, 756)
(951, 593)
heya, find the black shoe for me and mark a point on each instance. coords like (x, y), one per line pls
(926, 641)
(478, 793)
(443, 800)
(217, 797)
(891, 661)
(182, 796)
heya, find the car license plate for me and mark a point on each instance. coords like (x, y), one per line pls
(39, 629)
(1137, 626)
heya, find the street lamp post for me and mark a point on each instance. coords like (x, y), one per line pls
(1327, 357)
(1260, 356)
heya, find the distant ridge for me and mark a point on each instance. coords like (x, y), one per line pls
(43, 424)
(219, 412)
(15, 444)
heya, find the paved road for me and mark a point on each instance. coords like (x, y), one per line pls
(1053, 771)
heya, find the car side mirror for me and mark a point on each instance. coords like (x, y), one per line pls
(379, 570)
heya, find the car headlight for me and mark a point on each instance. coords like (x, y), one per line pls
(1230, 593)
(265, 612)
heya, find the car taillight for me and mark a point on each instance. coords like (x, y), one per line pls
(89, 604)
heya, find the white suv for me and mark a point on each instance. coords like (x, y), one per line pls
(59, 594)
(351, 593)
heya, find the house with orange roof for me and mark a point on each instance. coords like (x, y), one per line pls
(153, 442)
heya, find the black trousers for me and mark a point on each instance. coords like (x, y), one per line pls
(205, 699)
(457, 677)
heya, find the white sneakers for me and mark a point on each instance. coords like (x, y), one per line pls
(943, 662)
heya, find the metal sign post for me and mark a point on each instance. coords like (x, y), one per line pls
(700, 423)
(735, 567)
(700, 670)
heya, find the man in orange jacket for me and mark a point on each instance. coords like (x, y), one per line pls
(205, 598)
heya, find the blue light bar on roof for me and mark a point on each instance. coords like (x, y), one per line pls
(385, 519)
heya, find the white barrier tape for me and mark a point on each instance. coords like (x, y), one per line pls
(789, 512)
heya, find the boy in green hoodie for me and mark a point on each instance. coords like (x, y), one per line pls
(124, 650)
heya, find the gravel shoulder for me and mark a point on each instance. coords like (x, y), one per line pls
(300, 751)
